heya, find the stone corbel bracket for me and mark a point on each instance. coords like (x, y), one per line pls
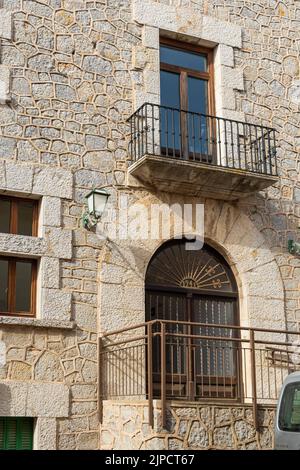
(6, 33)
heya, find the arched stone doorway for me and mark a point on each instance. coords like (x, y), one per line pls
(193, 292)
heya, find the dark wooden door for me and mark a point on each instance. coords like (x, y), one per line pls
(196, 367)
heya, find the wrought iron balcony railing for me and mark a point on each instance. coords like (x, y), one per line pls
(174, 133)
(171, 360)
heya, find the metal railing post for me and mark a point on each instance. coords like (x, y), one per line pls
(253, 378)
(100, 397)
(150, 372)
(163, 373)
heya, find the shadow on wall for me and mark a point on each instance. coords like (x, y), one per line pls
(279, 223)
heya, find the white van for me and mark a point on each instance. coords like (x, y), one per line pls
(287, 424)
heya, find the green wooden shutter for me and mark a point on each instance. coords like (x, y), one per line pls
(16, 433)
(1, 433)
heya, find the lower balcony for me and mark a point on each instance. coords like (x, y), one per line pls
(200, 155)
(185, 363)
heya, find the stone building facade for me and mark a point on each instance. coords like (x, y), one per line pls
(71, 74)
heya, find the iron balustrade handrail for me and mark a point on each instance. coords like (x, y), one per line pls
(171, 108)
(172, 132)
(166, 364)
(201, 324)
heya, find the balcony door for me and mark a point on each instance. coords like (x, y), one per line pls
(192, 291)
(187, 101)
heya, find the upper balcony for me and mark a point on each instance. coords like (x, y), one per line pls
(200, 155)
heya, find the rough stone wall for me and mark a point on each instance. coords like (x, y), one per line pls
(195, 427)
(70, 91)
(72, 87)
(41, 355)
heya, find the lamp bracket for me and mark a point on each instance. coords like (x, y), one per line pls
(89, 220)
(294, 247)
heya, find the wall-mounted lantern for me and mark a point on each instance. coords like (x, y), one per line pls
(96, 202)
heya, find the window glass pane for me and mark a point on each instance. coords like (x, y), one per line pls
(186, 59)
(25, 217)
(289, 416)
(198, 126)
(197, 95)
(3, 285)
(23, 286)
(170, 89)
(170, 119)
(4, 216)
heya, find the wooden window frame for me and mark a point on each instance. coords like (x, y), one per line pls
(11, 297)
(185, 72)
(14, 206)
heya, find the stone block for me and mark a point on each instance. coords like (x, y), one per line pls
(59, 242)
(150, 37)
(20, 371)
(7, 147)
(56, 304)
(51, 211)
(231, 77)
(87, 441)
(225, 99)
(27, 152)
(151, 81)
(50, 272)
(2, 176)
(224, 56)
(85, 316)
(66, 442)
(19, 177)
(187, 21)
(166, 17)
(46, 433)
(95, 64)
(34, 399)
(56, 182)
(6, 27)
(221, 32)
(198, 436)
(37, 322)
(65, 92)
(21, 244)
(223, 438)
(84, 391)
(48, 368)
(42, 90)
(94, 142)
(266, 313)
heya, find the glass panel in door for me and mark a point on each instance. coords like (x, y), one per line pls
(170, 118)
(198, 124)
(215, 361)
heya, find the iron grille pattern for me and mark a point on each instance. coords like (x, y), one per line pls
(184, 135)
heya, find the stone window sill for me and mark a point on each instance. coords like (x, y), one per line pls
(37, 322)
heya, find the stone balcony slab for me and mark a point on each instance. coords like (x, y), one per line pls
(197, 178)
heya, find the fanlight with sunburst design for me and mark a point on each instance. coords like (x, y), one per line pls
(174, 266)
